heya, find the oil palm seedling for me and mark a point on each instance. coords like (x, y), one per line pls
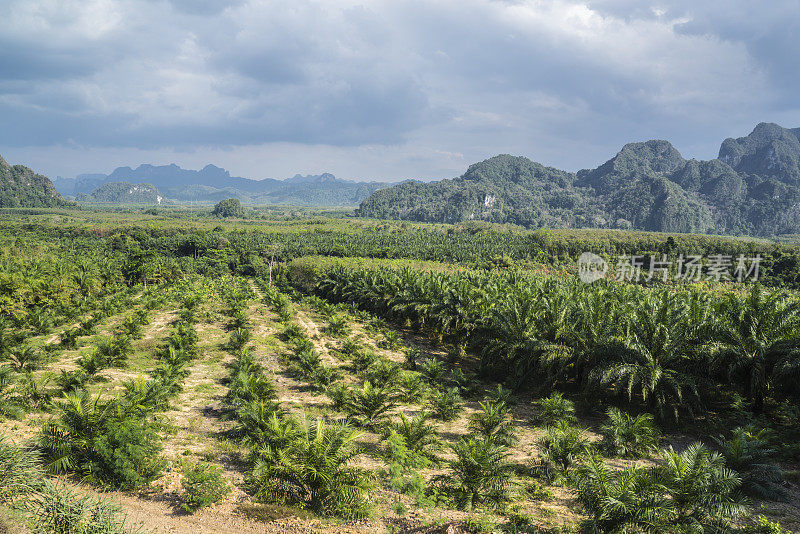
(627, 436)
(9, 407)
(68, 339)
(553, 409)
(630, 500)
(446, 404)
(411, 354)
(391, 340)
(747, 453)
(432, 371)
(337, 326)
(262, 426)
(370, 405)
(418, 433)
(704, 494)
(316, 471)
(24, 358)
(239, 338)
(480, 473)
(493, 423)
(383, 373)
(411, 388)
(563, 447)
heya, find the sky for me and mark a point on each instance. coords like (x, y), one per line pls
(385, 90)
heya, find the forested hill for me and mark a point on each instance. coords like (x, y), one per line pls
(753, 187)
(21, 187)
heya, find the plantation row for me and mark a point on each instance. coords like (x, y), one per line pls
(692, 490)
(670, 352)
(152, 253)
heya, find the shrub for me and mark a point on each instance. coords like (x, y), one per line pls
(203, 485)
(629, 437)
(230, 207)
(765, 526)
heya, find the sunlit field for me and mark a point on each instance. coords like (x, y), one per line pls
(164, 370)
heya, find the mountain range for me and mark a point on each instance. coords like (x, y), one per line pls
(212, 183)
(752, 188)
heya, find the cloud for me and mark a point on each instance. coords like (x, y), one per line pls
(565, 82)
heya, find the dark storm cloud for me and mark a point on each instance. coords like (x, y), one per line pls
(455, 80)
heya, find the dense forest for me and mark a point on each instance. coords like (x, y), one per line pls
(753, 188)
(355, 374)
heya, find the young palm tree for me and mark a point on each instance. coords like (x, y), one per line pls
(316, 470)
(702, 490)
(9, 407)
(418, 433)
(563, 446)
(653, 365)
(554, 408)
(25, 358)
(758, 336)
(265, 428)
(479, 473)
(20, 472)
(493, 423)
(747, 453)
(446, 404)
(629, 437)
(631, 500)
(370, 405)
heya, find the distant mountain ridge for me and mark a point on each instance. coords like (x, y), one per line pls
(753, 187)
(212, 183)
(21, 187)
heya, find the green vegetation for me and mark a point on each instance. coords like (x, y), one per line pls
(230, 207)
(753, 188)
(495, 392)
